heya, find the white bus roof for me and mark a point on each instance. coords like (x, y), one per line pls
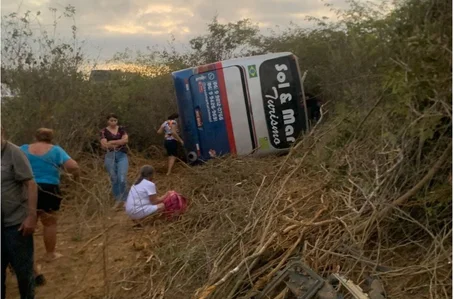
(244, 60)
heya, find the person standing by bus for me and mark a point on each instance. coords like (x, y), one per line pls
(171, 139)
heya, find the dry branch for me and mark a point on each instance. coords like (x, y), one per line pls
(94, 238)
(403, 199)
(208, 290)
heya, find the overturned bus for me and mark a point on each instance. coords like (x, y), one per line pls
(249, 105)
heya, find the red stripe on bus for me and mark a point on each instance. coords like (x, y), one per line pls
(206, 68)
(225, 107)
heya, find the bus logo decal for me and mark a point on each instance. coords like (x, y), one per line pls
(279, 83)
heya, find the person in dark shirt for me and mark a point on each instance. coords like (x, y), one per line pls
(114, 139)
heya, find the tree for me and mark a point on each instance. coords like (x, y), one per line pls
(223, 41)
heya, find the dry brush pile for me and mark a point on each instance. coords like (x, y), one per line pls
(364, 209)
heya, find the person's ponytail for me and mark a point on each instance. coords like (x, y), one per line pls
(146, 171)
(138, 180)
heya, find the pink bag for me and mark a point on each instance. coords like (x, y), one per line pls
(175, 204)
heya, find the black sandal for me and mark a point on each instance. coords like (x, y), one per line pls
(40, 280)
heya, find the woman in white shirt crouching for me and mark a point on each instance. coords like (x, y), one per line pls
(142, 198)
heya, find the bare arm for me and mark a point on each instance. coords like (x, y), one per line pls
(23, 173)
(161, 130)
(175, 134)
(154, 199)
(103, 140)
(105, 144)
(124, 140)
(29, 225)
(32, 191)
(72, 167)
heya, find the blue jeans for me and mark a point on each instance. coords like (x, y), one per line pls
(17, 251)
(117, 164)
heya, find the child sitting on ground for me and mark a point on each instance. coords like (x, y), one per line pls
(142, 198)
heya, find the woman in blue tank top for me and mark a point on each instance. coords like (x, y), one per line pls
(47, 161)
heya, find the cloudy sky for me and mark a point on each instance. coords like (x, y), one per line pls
(109, 26)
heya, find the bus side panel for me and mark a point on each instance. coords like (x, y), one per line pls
(242, 132)
(210, 106)
(258, 112)
(282, 94)
(188, 126)
(221, 111)
(275, 95)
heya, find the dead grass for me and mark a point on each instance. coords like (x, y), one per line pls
(247, 217)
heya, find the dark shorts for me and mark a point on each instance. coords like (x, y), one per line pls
(171, 147)
(49, 197)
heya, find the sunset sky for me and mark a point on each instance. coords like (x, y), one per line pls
(109, 26)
